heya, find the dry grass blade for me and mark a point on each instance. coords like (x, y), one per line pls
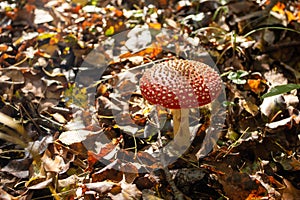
(10, 122)
(12, 139)
(13, 131)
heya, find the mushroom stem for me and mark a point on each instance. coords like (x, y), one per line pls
(181, 126)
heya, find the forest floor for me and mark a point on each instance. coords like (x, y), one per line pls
(74, 124)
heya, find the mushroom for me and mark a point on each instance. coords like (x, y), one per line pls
(180, 85)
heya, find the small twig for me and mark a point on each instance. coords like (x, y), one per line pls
(29, 116)
(236, 143)
(270, 28)
(281, 45)
(135, 146)
(258, 13)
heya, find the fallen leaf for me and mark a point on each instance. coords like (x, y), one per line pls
(37, 184)
(281, 89)
(156, 26)
(250, 107)
(4, 195)
(111, 172)
(56, 164)
(147, 195)
(145, 182)
(108, 152)
(290, 192)
(280, 123)
(3, 47)
(70, 181)
(256, 85)
(271, 105)
(76, 136)
(129, 191)
(151, 51)
(42, 16)
(100, 187)
(130, 172)
(12, 76)
(18, 168)
(60, 118)
(34, 84)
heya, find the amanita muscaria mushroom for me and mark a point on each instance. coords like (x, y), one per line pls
(180, 85)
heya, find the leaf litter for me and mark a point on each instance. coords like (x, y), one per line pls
(64, 137)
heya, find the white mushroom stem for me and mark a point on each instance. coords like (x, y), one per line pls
(181, 127)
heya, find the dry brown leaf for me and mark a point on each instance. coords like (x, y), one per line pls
(147, 195)
(76, 136)
(34, 84)
(151, 51)
(18, 168)
(237, 185)
(250, 107)
(110, 172)
(130, 172)
(107, 149)
(12, 76)
(100, 187)
(3, 47)
(54, 90)
(56, 164)
(25, 15)
(290, 192)
(4, 195)
(129, 191)
(69, 181)
(146, 182)
(60, 118)
(39, 183)
(44, 104)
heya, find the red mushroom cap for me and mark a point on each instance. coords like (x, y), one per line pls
(177, 84)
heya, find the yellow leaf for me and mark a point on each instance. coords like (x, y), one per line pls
(81, 2)
(290, 16)
(279, 7)
(110, 31)
(156, 26)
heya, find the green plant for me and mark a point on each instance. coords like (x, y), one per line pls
(281, 89)
(237, 77)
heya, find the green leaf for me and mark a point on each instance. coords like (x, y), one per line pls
(228, 103)
(45, 36)
(110, 31)
(77, 96)
(94, 2)
(281, 89)
(236, 77)
(239, 81)
(241, 73)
